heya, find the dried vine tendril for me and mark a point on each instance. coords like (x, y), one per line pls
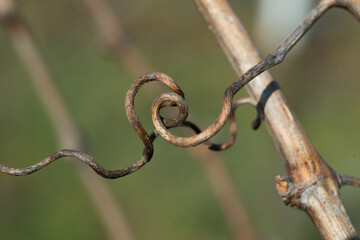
(171, 99)
(176, 98)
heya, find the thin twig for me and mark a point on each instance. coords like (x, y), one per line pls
(349, 180)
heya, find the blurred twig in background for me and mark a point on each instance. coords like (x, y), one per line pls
(115, 39)
(68, 135)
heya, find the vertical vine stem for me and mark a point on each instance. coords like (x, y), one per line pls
(311, 184)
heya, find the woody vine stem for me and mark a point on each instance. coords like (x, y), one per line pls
(288, 187)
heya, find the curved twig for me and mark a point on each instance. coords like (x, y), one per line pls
(86, 159)
(255, 124)
(348, 180)
(176, 98)
(231, 139)
(90, 161)
(353, 6)
(130, 111)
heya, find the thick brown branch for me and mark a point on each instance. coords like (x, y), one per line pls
(305, 168)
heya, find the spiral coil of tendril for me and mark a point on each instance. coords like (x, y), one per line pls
(175, 98)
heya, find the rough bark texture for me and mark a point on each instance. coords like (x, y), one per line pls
(311, 184)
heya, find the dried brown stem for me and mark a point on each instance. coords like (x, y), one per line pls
(348, 180)
(170, 99)
(68, 153)
(352, 6)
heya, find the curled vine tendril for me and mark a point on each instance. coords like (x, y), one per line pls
(176, 98)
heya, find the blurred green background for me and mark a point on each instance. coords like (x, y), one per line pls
(170, 197)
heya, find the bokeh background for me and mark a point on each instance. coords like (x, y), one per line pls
(170, 197)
